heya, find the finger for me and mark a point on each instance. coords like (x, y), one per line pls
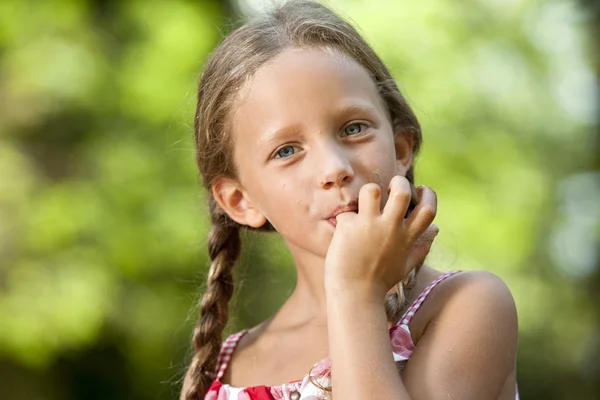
(424, 213)
(369, 200)
(414, 200)
(398, 198)
(344, 218)
(422, 246)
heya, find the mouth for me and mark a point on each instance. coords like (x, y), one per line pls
(352, 206)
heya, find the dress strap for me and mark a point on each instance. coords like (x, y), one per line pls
(227, 350)
(414, 307)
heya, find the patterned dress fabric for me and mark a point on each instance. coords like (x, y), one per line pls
(320, 375)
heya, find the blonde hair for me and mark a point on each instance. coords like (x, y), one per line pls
(295, 24)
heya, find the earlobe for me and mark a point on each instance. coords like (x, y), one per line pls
(403, 143)
(255, 218)
(231, 197)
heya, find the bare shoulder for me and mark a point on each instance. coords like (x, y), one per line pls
(478, 290)
(187, 383)
(468, 336)
(476, 298)
(469, 295)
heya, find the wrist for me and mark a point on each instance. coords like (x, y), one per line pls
(354, 290)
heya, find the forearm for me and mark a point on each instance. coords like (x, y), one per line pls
(359, 346)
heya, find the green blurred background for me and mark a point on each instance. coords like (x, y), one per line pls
(103, 224)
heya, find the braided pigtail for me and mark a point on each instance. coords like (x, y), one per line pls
(224, 250)
(395, 303)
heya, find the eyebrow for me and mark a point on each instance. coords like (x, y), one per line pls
(352, 108)
(275, 135)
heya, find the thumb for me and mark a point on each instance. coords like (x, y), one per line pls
(422, 246)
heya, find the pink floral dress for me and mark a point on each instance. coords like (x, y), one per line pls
(306, 389)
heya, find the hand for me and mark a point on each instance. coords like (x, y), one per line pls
(373, 250)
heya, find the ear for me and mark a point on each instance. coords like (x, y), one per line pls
(234, 200)
(404, 144)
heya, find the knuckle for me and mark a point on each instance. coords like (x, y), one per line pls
(372, 188)
(429, 210)
(401, 194)
(432, 193)
(400, 178)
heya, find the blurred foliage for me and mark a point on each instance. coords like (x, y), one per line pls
(103, 224)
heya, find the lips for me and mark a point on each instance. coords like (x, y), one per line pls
(350, 207)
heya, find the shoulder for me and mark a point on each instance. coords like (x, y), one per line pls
(479, 290)
(469, 338)
(474, 308)
(469, 291)
(227, 346)
(187, 383)
(469, 300)
(471, 295)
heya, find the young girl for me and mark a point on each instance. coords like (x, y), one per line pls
(301, 129)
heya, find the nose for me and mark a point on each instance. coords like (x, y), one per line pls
(336, 169)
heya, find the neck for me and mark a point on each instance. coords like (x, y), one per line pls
(307, 306)
(307, 303)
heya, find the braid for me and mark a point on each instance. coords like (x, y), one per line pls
(395, 303)
(223, 249)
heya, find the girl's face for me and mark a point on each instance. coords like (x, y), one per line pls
(310, 130)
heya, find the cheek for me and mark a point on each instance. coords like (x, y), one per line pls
(298, 197)
(289, 211)
(286, 199)
(380, 163)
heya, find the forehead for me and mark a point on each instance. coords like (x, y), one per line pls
(299, 84)
(295, 67)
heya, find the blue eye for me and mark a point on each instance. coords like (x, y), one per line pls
(285, 152)
(353, 129)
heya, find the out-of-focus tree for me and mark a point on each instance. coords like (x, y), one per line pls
(102, 221)
(591, 367)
